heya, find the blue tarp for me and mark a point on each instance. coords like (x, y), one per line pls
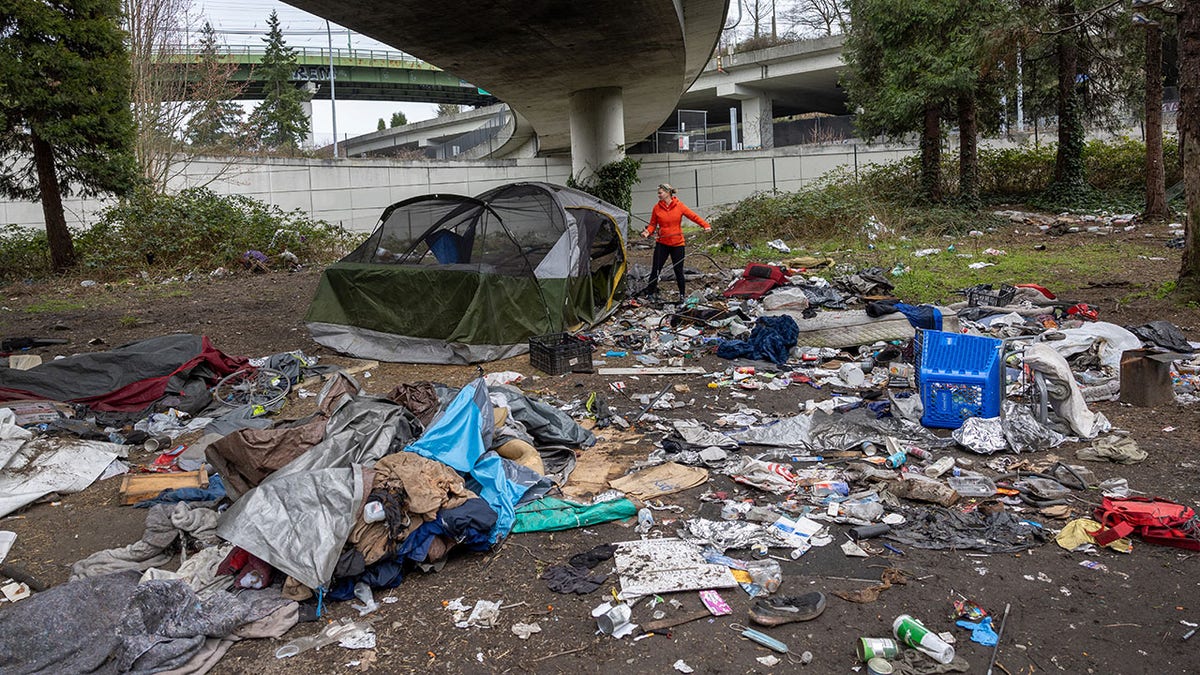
(460, 438)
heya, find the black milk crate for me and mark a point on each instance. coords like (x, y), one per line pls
(984, 296)
(559, 353)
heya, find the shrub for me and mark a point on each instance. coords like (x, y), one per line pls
(199, 229)
(25, 253)
(1019, 171)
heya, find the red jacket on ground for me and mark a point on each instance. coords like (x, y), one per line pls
(668, 219)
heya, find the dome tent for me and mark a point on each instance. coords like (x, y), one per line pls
(454, 279)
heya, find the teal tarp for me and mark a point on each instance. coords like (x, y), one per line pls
(550, 514)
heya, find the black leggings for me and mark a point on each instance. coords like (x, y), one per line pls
(661, 253)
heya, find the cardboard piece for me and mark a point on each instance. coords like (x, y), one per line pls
(1146, 377)
(609, 458)
(141, 486)
(664, 479)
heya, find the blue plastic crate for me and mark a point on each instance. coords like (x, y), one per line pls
(959, 376)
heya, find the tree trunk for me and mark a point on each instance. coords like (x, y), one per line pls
(931, 154)
(1156, 189)
(1189, 137)
(1068, 163)
(62, 249)
(968, 152)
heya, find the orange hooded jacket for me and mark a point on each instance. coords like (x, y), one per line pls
(668, 219)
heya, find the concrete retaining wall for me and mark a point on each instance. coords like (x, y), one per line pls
(353, 192)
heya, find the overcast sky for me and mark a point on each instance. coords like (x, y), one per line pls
(244, 22)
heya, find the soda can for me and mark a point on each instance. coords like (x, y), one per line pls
(877, 648)
(895, 461)
(919, 453)
(878, 666)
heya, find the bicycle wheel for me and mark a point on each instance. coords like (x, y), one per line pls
(252, 386)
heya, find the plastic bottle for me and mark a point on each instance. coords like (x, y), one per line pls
(645, 520)
(939, 467)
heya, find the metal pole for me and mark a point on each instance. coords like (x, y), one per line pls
(1020, 93)
(332, 88)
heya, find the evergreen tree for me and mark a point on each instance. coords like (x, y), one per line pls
(279, 122)
(215, 119)
(912, 62)
(65, 124)
(381, 125)
(399, 119)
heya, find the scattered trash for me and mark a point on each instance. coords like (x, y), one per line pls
(524, 630)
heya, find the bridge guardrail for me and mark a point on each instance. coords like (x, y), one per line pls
(390, 57)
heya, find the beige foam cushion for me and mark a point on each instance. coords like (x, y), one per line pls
(522, 453)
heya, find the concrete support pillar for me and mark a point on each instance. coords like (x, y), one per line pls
(597, 130)
(758, 129)
(758, 114)
(309, 140)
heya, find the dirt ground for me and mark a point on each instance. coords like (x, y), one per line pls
(1126, 617)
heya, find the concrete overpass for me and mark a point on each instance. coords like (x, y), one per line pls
(790, 79)
(801, 77)
(590, 78)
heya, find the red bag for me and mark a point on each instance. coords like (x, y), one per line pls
(757, 280)
(1156, 521)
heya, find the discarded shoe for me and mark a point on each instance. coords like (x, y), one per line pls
(786, 609)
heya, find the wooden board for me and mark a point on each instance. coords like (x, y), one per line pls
(359, 367)
(652, 371)
(136, 487)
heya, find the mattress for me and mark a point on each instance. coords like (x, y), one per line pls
(852, 327)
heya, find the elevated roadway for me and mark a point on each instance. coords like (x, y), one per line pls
(589, 77)
(801, 77)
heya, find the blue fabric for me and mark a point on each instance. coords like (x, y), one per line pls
(927, 317)
(469, 524)
(214, 492)
(771, 340)
(981, 632)
(445, 246)
(459, 438)
(387, 573)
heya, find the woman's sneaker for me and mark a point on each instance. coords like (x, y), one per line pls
(786, 609)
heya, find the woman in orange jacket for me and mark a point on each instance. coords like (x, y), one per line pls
(667, 220)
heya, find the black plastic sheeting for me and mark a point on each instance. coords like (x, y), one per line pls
(940, 529)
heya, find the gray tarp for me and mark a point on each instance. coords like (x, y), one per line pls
(789, 432)
(841, 432)
(299, 517)
(545, 423)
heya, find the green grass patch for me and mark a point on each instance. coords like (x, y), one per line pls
(938, 276)
(55, 305)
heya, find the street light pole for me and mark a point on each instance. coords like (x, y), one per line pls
(332, 88)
